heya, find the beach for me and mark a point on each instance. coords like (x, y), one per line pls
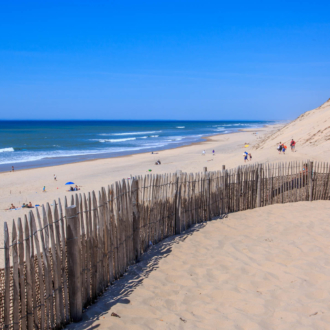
(264, 268)
(26, 186)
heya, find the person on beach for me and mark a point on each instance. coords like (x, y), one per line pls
(279, 148)
(12, 169)
(213, 152)
(293, 145)
(245, 155)
(203, 153)
(30, 206)
(284, 148)
(250, 156)
(44, 189)
(12, 207)
(55, 177)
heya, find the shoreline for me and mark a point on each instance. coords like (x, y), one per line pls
(204, 139)
(26, 185)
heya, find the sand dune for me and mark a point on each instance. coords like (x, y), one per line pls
(265, 268)
(311, 131)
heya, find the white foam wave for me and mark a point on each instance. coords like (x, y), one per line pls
(113, 140)
(33, 156)
(7, 150)
(143, 137)
(175, 138)
(131, 133)
(181, 127)
(154, 136)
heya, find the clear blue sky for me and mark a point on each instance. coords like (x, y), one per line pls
(163, 59)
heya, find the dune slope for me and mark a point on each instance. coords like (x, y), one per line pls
(310, 130)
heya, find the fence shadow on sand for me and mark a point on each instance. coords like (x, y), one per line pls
(119, 292)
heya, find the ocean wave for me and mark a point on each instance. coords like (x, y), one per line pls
(7, 150)
(113, 140)
(130, 133)
(154, 136)
(143, 137)
(181, 127)
(32, 156)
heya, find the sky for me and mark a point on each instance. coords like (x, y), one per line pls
(192, 60)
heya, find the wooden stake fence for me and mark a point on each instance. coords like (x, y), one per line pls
(64, 259)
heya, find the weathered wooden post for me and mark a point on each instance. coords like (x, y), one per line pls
(310, 179)
(7, 279)
(223, 167)
(204, 169)
(178, 172)
(178, 205)
(136, 219)
(259, 186)
(74, 264)
(208, 196)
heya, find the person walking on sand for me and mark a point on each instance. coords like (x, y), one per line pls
(12, 169)
(44, 189)
(284, 148)
(293, 145)
(55, 177)
(203, 153)
(250, 156)
(213, 152)
(279, 148)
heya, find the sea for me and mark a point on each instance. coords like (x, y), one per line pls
(31, 144)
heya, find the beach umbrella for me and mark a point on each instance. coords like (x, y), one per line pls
(69, 183)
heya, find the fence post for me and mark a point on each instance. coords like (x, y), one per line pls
(310, 180)
(7, 320)
(204, 169)
(136, 219)
(259, 186)
(178, 205)
(74, 264)
(208, 196)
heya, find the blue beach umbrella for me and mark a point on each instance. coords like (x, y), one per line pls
(69, 183)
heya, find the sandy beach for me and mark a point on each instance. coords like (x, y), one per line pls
(25, 186)
(265, 268)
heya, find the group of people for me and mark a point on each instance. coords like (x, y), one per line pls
(158, 162)
(247, 156)
(27, 205)
(76, 188)
(282, 147)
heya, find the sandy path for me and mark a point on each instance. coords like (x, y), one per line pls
(265, 268)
